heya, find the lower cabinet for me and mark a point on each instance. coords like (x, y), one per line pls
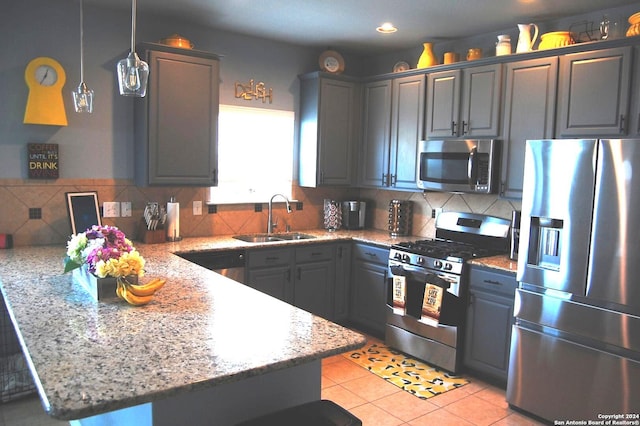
(368, 288)
(489, 320)
(311, 277)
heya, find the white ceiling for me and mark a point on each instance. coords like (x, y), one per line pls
(350, 24)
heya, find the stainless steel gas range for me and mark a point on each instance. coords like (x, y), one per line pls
(428, 286)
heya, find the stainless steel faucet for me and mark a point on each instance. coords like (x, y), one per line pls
(270, 223)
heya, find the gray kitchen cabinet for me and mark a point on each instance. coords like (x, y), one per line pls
(314, 279)
(634, 119)
(269, 271)
(342, 285)
(593, 90)
(489, 320)
(176, 123)
(393, 123)
(329, 125)
(368, 307)
(529, 113)
(464, 102)
(306, 276)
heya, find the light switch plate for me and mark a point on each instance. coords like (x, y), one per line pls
(125, 209)
(197, 208)
(110, 209)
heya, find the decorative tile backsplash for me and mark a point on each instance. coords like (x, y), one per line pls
(21, 199)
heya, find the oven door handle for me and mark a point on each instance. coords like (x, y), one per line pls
(472, 168)
(420, 276)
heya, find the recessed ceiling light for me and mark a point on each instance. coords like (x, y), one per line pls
(386, 28)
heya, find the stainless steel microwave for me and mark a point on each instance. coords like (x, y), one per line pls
(458, 165)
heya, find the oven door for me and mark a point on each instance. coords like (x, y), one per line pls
(453, 305)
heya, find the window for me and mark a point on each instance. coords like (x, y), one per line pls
(255, 155)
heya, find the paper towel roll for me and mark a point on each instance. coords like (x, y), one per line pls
(173, 221)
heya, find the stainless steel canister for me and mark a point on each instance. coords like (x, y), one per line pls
(400, 212)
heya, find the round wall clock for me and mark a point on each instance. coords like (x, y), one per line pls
(45, 78)
(331, 61)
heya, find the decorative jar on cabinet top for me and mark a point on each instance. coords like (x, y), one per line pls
(427, 58)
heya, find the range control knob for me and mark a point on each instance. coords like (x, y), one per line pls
(420, 260)
(406, 258)
(448, 266)
(397, 256)
(437, 264)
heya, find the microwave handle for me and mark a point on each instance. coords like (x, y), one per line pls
(472, 167)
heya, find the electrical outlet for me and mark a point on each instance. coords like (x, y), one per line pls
(111, 209)
(125, 209)
(436, 212)
(197, 208)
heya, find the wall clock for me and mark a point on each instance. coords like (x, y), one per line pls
(45, 78)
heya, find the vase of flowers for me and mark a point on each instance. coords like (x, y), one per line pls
(100, 259)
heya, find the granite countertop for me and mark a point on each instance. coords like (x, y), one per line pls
(501, 262)
(200, 330)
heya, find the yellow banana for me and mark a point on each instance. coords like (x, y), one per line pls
(146, 289)
(133, 299)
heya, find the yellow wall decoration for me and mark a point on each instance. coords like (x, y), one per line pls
(45, 78)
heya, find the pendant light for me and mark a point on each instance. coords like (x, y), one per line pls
(82, 96)
(132, 72)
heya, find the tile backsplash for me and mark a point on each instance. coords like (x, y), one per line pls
(19, 198)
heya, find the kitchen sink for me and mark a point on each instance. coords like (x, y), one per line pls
(269, 238)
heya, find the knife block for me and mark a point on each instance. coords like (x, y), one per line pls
(148, 236)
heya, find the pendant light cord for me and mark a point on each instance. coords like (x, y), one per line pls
(133, 25)
(81, 44)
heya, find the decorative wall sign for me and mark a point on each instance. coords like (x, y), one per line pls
(250, 91)
(43, 161)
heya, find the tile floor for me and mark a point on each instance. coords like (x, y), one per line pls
(370, 398)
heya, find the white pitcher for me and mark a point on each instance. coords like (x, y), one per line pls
(525, 41)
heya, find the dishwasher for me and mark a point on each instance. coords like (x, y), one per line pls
(229, 263)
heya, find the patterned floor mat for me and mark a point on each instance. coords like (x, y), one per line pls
(413, 376)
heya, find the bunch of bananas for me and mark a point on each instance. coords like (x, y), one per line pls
(136, 294)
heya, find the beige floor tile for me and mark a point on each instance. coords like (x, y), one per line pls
(343, 397)
(447, 398)
(326, 382)
(405, 406)
(477, 410)
(375, 416)
(371, 387)
(344, 370)
(494, 395)
(517, 419)
(439, 417)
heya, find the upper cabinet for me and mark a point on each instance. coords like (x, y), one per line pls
(393, 123)
(329, 121)
(594, 92)
(464, 102)
(176, 124)
(529, 113)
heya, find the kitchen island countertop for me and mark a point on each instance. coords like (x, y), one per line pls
(200, 331)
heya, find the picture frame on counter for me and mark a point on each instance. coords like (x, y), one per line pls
(84, 210)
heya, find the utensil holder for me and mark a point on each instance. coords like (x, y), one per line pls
(332, 215)
(400, 212)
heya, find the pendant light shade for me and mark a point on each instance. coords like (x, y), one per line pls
(82, 96)
(132, 72)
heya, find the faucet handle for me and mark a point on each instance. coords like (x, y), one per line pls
(274, 224)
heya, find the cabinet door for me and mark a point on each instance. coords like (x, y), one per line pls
(313, 290)
(273, 281)
(529, 113)
(634, 121)
(368, 288)
(407, 112)
(376, 133)
(480, 114)
(342, 282)
(443, 103)
(180, 124)
(328, 131)
(594, 93)
(488, 336)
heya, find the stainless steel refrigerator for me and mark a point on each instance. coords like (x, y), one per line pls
(575, 349)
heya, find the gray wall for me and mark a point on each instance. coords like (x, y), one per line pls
(100, 145)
